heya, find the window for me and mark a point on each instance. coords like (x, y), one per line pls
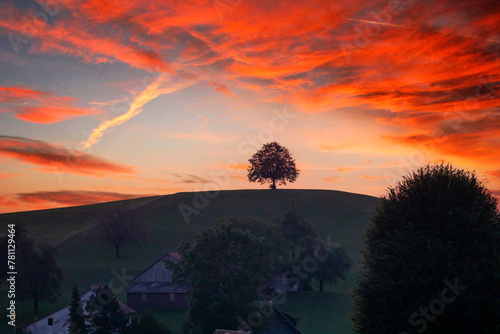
(144, 297)
(50, 322)
(172, 297)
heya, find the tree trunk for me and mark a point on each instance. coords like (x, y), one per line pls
(274, 184)
(35, 303)
(117, 250)
(320, 285)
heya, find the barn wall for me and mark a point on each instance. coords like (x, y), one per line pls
(157, 301)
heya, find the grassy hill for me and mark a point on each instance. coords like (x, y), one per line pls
(86, 259)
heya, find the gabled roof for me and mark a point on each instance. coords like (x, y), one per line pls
(175, 257)
(61, 317)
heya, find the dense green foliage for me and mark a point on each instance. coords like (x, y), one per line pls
(272, 163)
(147, 324)
(225, 267)
(41, 276)
(432, 258)
(272, 232)
(330, 263)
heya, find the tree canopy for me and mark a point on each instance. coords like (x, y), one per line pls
(41, 277)
(226, 267)
(121, 227)
(333, 263)
(272, 163)
(432, 258)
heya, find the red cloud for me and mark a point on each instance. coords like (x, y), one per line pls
(57, 159)
(70, 197)
(39, 106)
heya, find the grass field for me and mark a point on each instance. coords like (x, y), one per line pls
(86, 259)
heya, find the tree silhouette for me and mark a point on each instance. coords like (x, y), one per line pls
(432, 258)
(120, 228)
(272, 163)
(40, 274)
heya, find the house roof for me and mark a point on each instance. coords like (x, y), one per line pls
(174, 256)
(61, 317)
(156, 287)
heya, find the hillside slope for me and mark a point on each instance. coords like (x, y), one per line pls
(86, 259)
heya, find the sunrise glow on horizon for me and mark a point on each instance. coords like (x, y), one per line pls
(109, 100)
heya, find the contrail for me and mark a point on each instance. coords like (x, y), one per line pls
(150, 93)
(377, 22)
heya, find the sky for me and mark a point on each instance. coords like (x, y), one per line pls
(109, 100)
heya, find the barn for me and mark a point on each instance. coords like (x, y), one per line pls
(153, 288)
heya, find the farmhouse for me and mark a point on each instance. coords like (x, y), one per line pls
(153, 288)
(58, 322)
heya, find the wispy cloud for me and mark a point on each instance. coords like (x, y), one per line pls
(190, 178)
(164, 84)
(331, 179)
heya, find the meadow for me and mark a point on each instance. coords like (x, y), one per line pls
(86, 258)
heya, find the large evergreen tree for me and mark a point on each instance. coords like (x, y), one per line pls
(76, 315)
(432, 258)
(225, 267)
(272, 163)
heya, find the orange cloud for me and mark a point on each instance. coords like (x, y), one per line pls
(7, 175)
(345, 169)
(331, 179)
(372, 177)
(57, 159)
(334, 147)
(237, 166)
(39, 106)
(7, 202)
(73, 197)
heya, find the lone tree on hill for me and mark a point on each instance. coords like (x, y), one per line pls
(272, 163)
(432, 258)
